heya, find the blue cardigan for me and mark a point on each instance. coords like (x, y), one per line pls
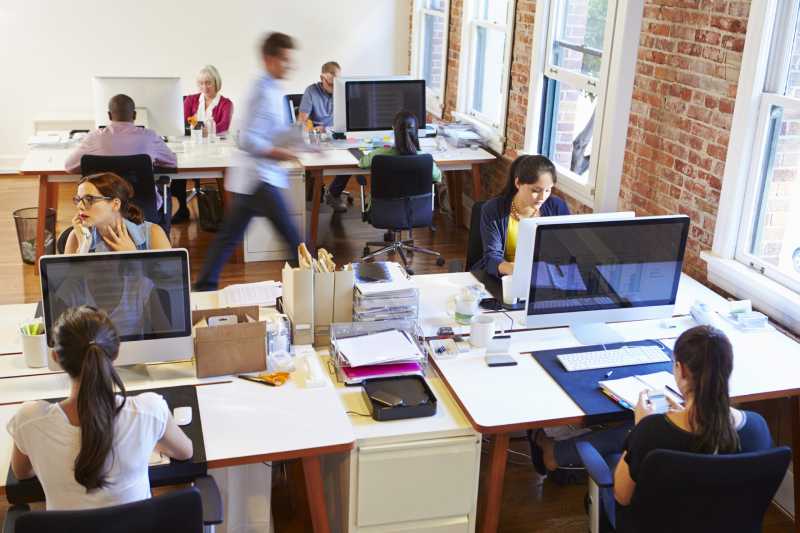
(494, 224)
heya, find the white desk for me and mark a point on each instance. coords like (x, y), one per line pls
(502, 400)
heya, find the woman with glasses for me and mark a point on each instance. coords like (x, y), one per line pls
(108, 221)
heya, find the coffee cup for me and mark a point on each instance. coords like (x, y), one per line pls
(481, 330)
(34, 350)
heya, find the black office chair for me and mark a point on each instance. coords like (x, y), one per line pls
(474, 242)
(401, 199)
(177, 512)
(293, 103)
(138, 171)
(61, 243)
(687, 492)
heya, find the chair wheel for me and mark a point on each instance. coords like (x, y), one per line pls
(440, 261)
(350, 200)
(365, 250)
(409, 271)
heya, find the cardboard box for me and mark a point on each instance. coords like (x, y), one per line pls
(298, 303)
(233, 349)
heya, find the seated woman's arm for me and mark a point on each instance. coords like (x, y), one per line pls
(175, 443)
(158, 238)
(21, 464)
(492, 237)
(226, 114)
(624, 485)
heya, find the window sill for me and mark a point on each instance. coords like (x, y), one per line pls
(494, 138)
(780, 303)
(576, 189)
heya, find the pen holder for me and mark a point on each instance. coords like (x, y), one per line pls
(34, 349)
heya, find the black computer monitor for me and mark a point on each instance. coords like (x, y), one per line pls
(372, 105)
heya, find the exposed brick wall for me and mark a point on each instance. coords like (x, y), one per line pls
(687, 73)
(453, 58)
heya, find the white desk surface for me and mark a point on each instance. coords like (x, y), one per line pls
(11, 316)
(766, 363)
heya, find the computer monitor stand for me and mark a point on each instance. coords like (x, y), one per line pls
(133, 373)
(593, 333)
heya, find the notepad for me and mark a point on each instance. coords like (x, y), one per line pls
(626, 390)
(383, 347)
(263, 293)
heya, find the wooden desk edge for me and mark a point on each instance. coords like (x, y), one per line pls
(283, 456)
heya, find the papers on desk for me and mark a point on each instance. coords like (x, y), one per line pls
(263, 294)
(626, 390)
(386, 278)
(392, 346)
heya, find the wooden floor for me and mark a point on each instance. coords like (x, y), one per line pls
(529, 505)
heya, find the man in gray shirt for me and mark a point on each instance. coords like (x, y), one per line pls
(317, 105)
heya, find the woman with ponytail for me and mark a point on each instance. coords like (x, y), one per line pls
(706, 423)
(93, 448)
(527, 194)
(108, 221)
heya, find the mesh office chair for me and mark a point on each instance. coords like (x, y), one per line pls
(138, 171)
(183, 511)
(401, 199)
(687, 492)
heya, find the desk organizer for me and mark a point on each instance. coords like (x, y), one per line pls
(418, 398)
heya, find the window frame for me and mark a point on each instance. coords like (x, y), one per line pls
(496, 131)
(770, 23)
(434, 98)
(600, 191)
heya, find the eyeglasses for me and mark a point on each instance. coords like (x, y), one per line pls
(88, 199)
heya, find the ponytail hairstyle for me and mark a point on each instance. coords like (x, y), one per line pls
(111, 185)
(86, 343)
(405, 133)
(528, 168)
(707, 356)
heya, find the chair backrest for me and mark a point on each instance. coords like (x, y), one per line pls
(475, 242)
(687, 492)
(61, 244)
(136, 170)
(401, 191)
(293, 101)
(177, 512)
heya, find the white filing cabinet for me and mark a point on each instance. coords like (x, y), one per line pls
(416, 475)
(262, 242)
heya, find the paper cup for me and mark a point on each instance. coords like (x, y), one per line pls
(481, 330)
(34, 349)
(508, 298)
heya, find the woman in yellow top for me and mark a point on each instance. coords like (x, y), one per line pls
(406, 142)
(527, 194)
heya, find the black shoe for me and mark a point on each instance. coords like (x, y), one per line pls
(537, 454)
(180, 216)
(338, 203)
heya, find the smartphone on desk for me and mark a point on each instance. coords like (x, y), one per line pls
(500, 360)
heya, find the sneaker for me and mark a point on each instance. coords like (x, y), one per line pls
(338, 203)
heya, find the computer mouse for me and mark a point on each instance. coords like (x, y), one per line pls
(183, 415)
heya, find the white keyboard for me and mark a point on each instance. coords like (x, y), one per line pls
(624, 356)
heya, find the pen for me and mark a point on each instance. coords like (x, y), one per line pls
(608, 374)
(255, 380)
(673, 391)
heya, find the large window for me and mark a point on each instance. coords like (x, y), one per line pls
(485, 62)
(769, 237)
(575, 112)
(429, 49)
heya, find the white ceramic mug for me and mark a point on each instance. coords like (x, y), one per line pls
(481, 330)
(508, 298)
(34, 349)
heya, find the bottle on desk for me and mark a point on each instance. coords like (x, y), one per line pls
(211, 128)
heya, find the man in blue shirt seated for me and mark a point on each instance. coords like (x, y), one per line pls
(317, 105)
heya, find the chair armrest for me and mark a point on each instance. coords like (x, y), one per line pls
(361, 179)
(596, 466)
(163, 180)
(14, 512)
(211, 498)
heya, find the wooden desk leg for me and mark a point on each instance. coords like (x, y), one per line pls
(796, 459)
(44, 200)
(494, 483)
(316, 199)
(312, 471)
(477, 188)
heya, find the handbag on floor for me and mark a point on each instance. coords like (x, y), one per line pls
(209, 205)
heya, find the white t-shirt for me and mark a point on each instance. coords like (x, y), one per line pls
(42, 431)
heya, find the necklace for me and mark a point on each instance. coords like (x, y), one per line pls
(516, 214)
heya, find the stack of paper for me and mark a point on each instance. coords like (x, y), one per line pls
(626, 390)
(381, 354)
(263, 293)
(383, 292)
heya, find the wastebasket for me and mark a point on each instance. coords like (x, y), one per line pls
(25, 220)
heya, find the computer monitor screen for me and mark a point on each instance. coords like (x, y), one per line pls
(594, 266)
(159, 101)
(146, 294)
(372, 105)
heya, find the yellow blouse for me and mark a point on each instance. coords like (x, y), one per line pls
(511, 239)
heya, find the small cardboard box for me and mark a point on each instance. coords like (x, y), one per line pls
(298, 303)
(233, 349)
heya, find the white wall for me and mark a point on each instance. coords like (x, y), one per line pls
(50, 49)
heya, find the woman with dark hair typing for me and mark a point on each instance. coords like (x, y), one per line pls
(406, 142)
(92, 449)
(527, 194)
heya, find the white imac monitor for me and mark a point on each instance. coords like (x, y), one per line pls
(371, 100)
(586, 273)
(159, 101)
(145, 293)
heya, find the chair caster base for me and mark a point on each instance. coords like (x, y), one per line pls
(440, 261)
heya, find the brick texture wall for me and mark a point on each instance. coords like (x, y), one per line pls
(687, 72)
